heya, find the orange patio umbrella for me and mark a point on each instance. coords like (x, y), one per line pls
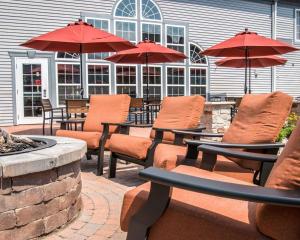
(254, 62)
(248, 44)
(147, 52)
(79, 37)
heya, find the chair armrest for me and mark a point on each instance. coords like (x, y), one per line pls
(237, 145)
(72, 121)
(186, 131)
(198, 134)
(222, 189)
(59, 108)
(238, 154)
(117, 124)
(128, 124)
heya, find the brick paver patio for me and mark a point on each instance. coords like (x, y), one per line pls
(102, 198)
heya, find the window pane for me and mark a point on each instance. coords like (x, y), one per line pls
(151, 32)
(298, 25)
(195, 56)
(126, 80)
(198, 79)
(126, 8)
(98, 79)
(66, 55)
(126, 30)
(175, 81)
(150, 10)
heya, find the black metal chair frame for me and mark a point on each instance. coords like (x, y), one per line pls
(148, 162)
(49, 109)
(259, 177)
(162, 183)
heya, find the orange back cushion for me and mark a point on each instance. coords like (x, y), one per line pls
(106, 108)
(259, 120)
(280, 222)
(179, 113)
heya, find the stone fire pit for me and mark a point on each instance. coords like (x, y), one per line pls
(40, 190)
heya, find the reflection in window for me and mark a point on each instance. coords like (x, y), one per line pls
(126, 80)
(195, 55)
(68, 82)
(154, 74)
(66, 55)
(198, 77)
(126, 30)
(98, 79)
(151, 32)
(126, 8)
(150, 10)
(103, 25)
(297, 30)
(32, 90)
(175, 38)
(175, 81)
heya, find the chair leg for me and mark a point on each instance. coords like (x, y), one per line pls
(112, 166)
(100, 162)
(43, 124)
(51, 126)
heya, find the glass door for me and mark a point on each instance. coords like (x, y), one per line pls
(32, 87)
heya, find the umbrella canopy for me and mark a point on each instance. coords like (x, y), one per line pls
(147, 52)
(254, 44)
(78, 37)
(254, 62)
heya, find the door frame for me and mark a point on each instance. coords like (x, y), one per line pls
(20, 119)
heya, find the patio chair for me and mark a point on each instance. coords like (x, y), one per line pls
(176, 113)
(190, 203)
(255, 128)
(53, 114)
(103, 108)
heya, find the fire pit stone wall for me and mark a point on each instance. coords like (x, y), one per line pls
(40, 191)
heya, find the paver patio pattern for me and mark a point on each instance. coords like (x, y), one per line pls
(102, 197)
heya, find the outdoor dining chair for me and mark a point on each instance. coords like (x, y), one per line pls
(255, 128)
(176, 113)
(191, 203)
(103, 108)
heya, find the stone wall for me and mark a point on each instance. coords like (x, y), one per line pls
(36, 204)
(217, 116)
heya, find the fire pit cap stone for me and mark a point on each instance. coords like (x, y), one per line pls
(65, 151)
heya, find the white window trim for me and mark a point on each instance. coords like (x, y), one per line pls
(109, 22)
(184, 45)
(87, 77)
(196, 64)
(121, 17)
(152, 23)
(153, 85)
(175, 85)
(193, 85)
(295, 26)
(58, 84)
(151, 20)
(122, 20)
(130, 85)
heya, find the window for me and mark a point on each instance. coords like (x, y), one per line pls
(154, 76)
(66, 55)
(195, 56)
(68, 78)
(151, 32)
(175, 38)
(150, 10)
(126, 30)
(126, 8)
(198, 78)
(297, 25)
(103, 25)
(126, 80)
(98, 79)
(175, 81)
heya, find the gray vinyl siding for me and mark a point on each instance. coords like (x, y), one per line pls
(213, 21)
(288, 76)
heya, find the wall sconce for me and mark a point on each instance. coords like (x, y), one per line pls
(31, 54)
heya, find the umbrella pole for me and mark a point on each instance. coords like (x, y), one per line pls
(250, 77)
(81, 73)
(246, 71)
(147, 91)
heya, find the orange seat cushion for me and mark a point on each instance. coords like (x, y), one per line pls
(92, 138)
(106, 108)
(193, 215)
(170, 156)
(259, 119)
(131, 146)
(179, 113)
(281, 222)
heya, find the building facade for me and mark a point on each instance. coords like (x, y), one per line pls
(189, 26)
